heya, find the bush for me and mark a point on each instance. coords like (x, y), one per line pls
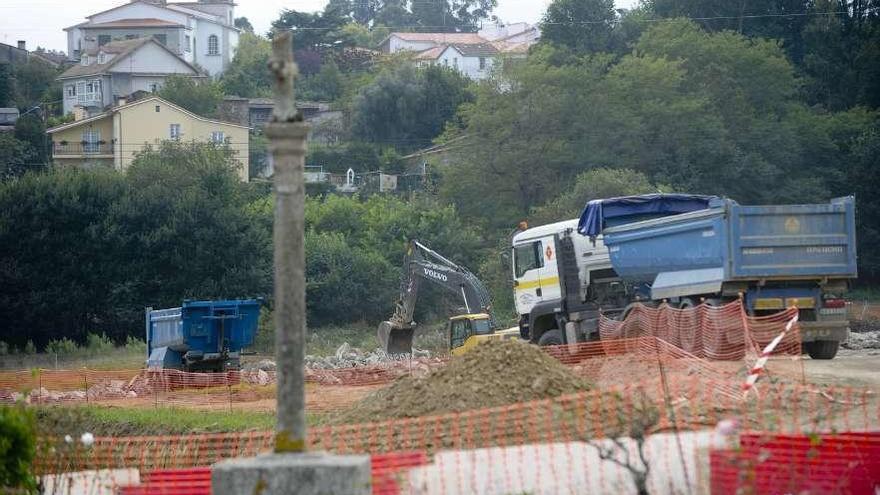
(63, 347)
(17, 448)
(135, 345)
(29, 348)
(4, 348)
(97, 344)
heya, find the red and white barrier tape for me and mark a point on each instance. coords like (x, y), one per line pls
(758, 368)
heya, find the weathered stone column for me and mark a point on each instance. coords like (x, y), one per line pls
(290, 469)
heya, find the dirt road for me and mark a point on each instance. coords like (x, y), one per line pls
(850, 368)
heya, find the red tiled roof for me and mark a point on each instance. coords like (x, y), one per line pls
(442, 38)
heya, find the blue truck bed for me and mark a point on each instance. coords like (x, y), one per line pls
(696, 252)
(200, 334)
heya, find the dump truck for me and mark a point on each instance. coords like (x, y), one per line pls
(685, 250)
(203, 336)
(475, 322)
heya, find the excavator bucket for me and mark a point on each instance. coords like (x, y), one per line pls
(396, 339)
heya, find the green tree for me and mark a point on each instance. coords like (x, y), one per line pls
(244, 24)
(16, 157)
(581, 25)
(199, 97)
(33, 80)
(248, 74)
(31, 130)
(451, 16)
(17, 449)
(594, 184)
(327, 85)
(406, 107)
(7, 85)
(315, 35)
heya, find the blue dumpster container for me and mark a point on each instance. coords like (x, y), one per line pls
(201, 335)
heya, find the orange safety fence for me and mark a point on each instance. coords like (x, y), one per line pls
(706, 331)
(519, 447)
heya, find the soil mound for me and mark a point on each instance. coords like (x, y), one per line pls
(494, 373)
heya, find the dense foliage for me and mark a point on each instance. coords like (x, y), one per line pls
(199, 97)
(88, 250)
(17, 449)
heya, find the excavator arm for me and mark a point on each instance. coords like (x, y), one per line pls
(422, 264)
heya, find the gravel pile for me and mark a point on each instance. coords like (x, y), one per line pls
(493, 374)
(862, 340)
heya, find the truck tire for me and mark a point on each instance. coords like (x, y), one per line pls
(551, 337)
(823, 349)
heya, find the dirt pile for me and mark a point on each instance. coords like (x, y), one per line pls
(495, 373)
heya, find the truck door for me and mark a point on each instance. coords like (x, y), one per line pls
(528, 264)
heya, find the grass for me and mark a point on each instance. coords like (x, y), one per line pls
(115, 359)
(128, 421)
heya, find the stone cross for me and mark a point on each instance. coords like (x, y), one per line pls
(287, 142)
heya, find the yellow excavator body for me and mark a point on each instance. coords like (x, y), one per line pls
(468, 331)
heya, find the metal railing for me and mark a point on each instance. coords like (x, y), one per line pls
(79, 148)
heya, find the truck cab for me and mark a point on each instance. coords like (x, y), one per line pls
(552, 270)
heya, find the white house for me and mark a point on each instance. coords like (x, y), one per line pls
(472, 54)
(119, 69)
(201, 32)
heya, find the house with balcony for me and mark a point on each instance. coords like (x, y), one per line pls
(200, 32)
(112, 138)
(118, 69)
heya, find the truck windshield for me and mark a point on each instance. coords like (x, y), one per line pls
(481, 327)
(527, 257)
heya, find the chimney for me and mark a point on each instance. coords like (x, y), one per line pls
(79, 113)
(22, 45)
(121, 101)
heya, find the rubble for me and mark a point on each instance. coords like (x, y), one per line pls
(347, 356)
(863, 340)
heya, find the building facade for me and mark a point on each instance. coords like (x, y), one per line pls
(113, 138)
(201, 32)
(118, 69)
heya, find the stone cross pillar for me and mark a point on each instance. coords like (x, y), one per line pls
(290, 469)
(287, 142)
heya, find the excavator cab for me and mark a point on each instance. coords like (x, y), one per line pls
(467, 331)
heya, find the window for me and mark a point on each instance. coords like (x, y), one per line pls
(154, 87)
(174, 131)
(161, 38)
(91, 138)
(158, 108)
(482, 63)
(187, 43)
(528, 257)
(85, 60)
(213, 45)
(101, 58)
(455, 62)
(70, 90)
(217, 137)
(103, 39)
(89, 91)
(458, 333)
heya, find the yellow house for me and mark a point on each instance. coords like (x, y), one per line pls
(113, 138)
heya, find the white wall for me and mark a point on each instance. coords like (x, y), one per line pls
(141, 11)
(151, 58)
(212, 63)
(396, 44)
(145, 83)
(468, 66)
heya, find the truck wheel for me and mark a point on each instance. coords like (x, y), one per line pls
(551, 337)
(823, 349)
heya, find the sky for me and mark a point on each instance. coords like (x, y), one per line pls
(41, 22)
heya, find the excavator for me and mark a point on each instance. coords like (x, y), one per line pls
(477, 323)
